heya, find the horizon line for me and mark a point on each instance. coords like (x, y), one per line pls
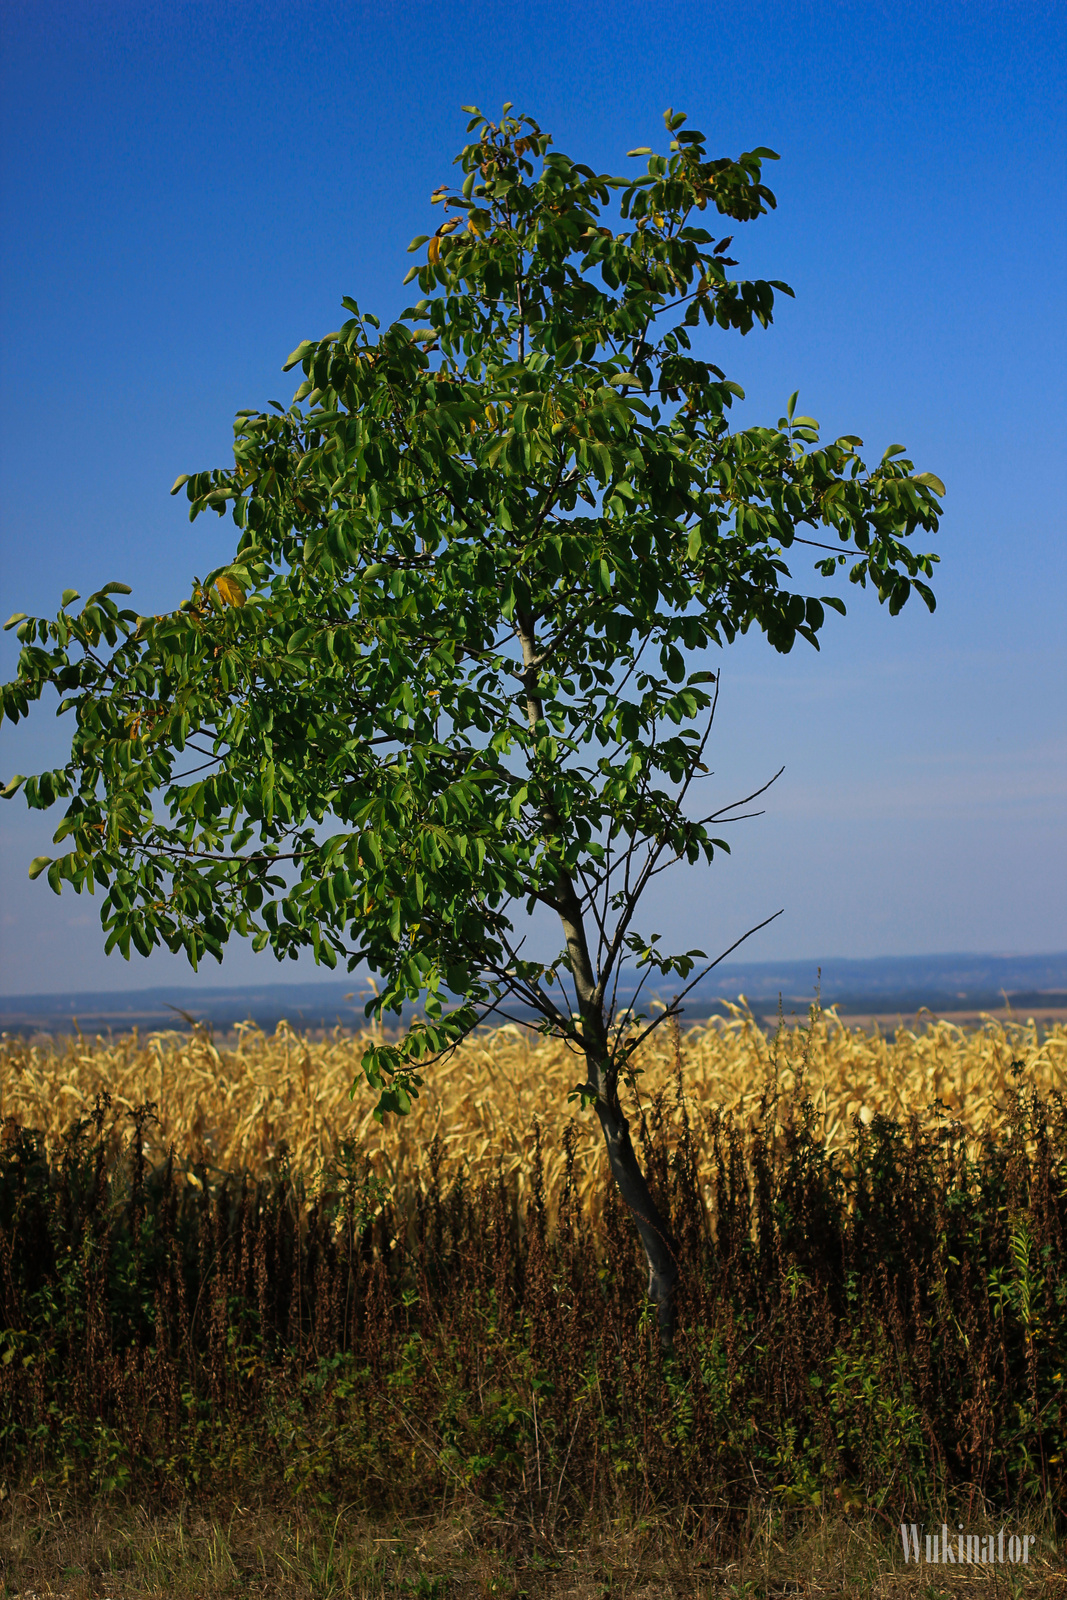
(193, 982)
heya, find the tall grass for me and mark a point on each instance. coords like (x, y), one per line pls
(216, 1269)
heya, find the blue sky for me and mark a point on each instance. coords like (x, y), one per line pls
(189, 189)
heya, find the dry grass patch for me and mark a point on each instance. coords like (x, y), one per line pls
(112, 1551)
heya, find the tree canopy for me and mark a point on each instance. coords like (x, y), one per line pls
(456, 666)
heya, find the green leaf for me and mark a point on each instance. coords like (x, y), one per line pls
(930, 481)
(14, 620)
(297, 356)
(38, 865)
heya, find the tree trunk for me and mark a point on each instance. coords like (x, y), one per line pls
(654, 1231)
(603, 1074)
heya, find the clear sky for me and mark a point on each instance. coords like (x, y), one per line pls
(190, 188)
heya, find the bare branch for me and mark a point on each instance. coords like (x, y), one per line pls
(720, 816)
(527, 989)
(673, 1009)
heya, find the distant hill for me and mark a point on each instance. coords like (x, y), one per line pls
(888, 985)
(305, 1005)
(895, 983)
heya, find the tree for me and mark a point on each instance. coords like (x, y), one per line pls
(456, 665)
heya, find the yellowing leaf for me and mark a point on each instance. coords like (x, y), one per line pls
(229, 591)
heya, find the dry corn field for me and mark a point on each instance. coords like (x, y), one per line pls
(233, 1106)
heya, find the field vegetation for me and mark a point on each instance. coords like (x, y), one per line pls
(231, 1106)
(253, 1341)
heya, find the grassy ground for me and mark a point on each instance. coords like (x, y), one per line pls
(116, 1552)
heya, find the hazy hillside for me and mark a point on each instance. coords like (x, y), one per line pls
(889, 984)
